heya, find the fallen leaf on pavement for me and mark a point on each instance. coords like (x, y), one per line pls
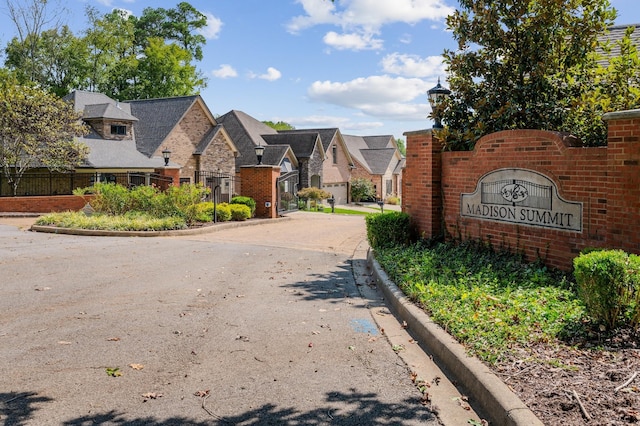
(114, 372)
(113, 339)
(151, 395)
(202, 393)
(136, 366)
(63, 342)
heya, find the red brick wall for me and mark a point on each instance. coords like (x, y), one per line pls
(606, 180)
(57, 203)
(259, 183)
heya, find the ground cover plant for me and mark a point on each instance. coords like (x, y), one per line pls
(529, 324)
(146, 208)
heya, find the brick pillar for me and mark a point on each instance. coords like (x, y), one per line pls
(421, 182)
(172, 172)
(623, 164)
(259, 183)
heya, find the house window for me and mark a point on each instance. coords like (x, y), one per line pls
(185, 181)
(335, 154)
(389, 186)
(117, 129)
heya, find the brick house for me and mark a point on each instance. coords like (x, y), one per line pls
(377, 159)
(130, 136)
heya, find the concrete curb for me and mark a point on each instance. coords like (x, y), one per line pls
(177, 232)
(494, 397)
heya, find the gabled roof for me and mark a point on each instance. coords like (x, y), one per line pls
(327, 138)
(302, 144)
(107, 111)
(355, 145)
(210, 136)
(612, 36)
(379, 160)
(246, 132)
(157, 118)
(377, 142)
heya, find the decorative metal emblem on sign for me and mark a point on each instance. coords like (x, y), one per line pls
(522, 197)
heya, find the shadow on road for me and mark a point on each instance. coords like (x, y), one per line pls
(342, 409)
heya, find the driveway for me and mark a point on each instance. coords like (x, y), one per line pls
(255, 325)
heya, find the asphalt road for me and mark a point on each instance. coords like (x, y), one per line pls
(248, 326)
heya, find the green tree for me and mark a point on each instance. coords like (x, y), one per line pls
(361, 189)
(401, 146)
(37, 129)
(280, 125)
(518, 64)
(60, 60)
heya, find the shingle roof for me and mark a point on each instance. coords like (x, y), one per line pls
(157, 117)
(379, 160)
(109, 111)
(117, 154)
(246, 131)
(377, 142)
(302, 144)
(326, 135)
(355, 145)
(615, 34)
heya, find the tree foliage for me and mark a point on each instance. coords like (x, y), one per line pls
(37, 129)
(362, 189)
(280, 125)
(519, 64)
(120, 55)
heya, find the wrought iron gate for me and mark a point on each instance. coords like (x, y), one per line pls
(287, 191)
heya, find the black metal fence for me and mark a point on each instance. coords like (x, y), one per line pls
(288, 191)
(46, 184)
(222, 186)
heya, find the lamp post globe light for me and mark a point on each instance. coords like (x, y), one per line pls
(166, 154)
(259, 152)
(436, 95)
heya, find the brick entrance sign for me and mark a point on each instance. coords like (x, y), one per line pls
(531, 191)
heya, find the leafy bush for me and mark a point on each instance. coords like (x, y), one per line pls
(223, 212)
(389, 229)
(393, 200)
(609, 285)
(239, 212)
(183, 199)
(247, 201)
(312, 193)
(110, 198)
(362, 189)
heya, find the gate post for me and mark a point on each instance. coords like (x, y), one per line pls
(421, 182)
(259, 183)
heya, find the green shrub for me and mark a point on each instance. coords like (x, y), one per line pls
(223, 212)
(313, 193)
(204, 211)
(239, 212)
(389, 229)
(247, 201)
(110, 198)
(393, 200)
(609, 285)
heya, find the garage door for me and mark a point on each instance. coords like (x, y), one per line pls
(339, 191)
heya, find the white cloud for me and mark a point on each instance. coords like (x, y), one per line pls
(376, 96)
(371, 14)
(213, 28)
(271, 75)
(225, 71)
(352, 41)
(413, 65)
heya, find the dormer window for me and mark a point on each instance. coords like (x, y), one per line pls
(117, 129)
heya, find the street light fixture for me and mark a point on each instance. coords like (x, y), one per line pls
(166, 154)
(436, 96)
(259, 153)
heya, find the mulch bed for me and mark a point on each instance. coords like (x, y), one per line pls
(595, 382)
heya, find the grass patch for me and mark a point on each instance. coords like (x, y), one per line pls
(339, 210)
(493, 303)
(132, 221)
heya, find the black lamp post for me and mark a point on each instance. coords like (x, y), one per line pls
(259, 153)
(166, 154)
(436, 96)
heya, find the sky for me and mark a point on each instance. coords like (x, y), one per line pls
(363, 66)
